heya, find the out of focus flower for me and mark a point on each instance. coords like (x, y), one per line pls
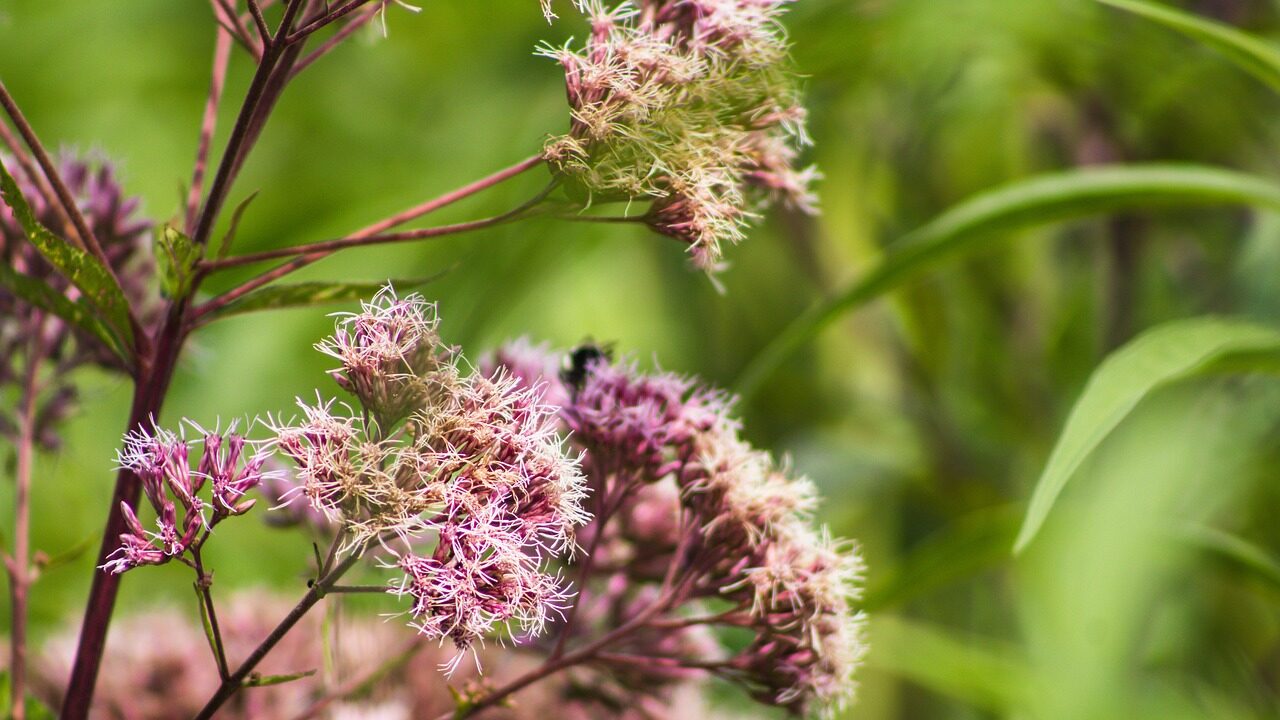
(691, 105)
(740, 525)
(123, 237)
(641, 424)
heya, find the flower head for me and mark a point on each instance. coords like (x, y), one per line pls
(468, 471)
(704, 497)
(690, 105)
(389, 352)
(161, 460)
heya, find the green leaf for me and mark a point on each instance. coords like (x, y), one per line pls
(1251, 54)
(176, 258)
(82, 269)
(305, 294)
(981, 672)
(258, 680)
(1034, 201)
(1235, 551)
(224, 247)
(1169, 353)
(76, 312)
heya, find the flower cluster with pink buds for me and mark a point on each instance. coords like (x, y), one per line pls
(161, 459)
(700, 519)
(689, 104)
(468, 472)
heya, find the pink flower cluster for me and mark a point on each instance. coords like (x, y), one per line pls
(709, 520)
(161, 460)
(689, 104)
(469, 472)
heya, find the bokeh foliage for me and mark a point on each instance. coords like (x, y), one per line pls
(926, 414)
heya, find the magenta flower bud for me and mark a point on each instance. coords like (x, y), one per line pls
(162, 460)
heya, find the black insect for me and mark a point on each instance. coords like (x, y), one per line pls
(579, 362)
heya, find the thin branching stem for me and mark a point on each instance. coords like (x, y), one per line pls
(204, 583)
(347, 30)
(330, 16)
(218, 78)
(227, 17)
(255, 11)
(372, 235)
(60, 189)
(42, 185)
(18, 565)
(314, 594)
(240, 139)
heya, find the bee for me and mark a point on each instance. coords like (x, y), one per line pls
(579, 361)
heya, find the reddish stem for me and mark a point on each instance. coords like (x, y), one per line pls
(221, 56)
(19, 564)
(314, 24)
(347, 31)
(240, 133)
(371, 234)
(150, 387)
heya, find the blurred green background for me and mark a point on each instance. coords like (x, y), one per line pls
(925, 417)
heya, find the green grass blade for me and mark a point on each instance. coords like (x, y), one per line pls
(1250, 53)
(1169, 353)
(1034, 201)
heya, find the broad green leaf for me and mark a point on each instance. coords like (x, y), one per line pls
(75, 312)
(82, 269)
(258, 680)
(981, 672)
(1250, 53)
(1169, 353)
(304, 294)
(1236, 551)
(176, 258)
(1030, 202)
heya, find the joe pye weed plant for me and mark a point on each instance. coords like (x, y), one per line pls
(608, 526)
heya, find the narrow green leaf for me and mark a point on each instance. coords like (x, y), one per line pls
(207, 623)
(224, 247)
(981, 672)
(1034, 201)
(1169, 353)
(257, 680)
(1237, 552)
(83, 270)
(77, 313)
(176, 258)
(1251, 54)
(305, 294)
